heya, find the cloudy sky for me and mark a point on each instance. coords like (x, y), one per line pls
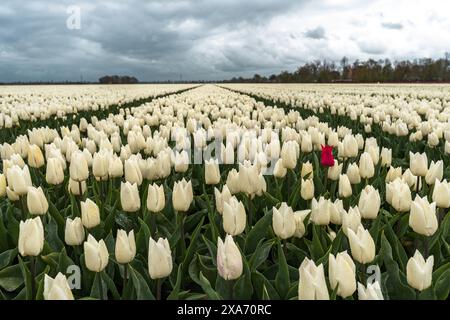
(209, 39)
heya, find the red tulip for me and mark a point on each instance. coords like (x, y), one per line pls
(327, 159)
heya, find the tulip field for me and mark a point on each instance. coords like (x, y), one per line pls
(226, 191)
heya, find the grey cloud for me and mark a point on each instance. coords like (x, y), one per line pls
(392, 25)
(316, 33)
(372, 47)
(161, 39)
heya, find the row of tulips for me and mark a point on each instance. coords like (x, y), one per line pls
(168, 213)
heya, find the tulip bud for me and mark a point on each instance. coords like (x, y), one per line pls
(233, 182)
(320, 211)
(435, 172)
(229, 259)
(366, 167)
(299, 217)
(350, 146)
(306, 145)
(289, 154)
(18, 180)
(54, 173)
(283, 221)
(419, 272)
(125, 250)
(353, 174)
(307, 189)
(133, 172)
(279, 171)
(248, 179)
(159, 258)
(96, 254)
(57, 289)
(433, 139)
(74, 232)
(334, 171)
(31, 237)
(342, 274)
(369, 202)
(362, 245)
(311, 284)
(307, 170)
(351, 220)
(156, 200)
(115, 169)
(234, 217)
(345, 188)
(79, 170)
(90, 214)
(36, 201)
(221, 197)
(422, 218)
(181, 161)
(418, 163)
(398, 195)
(372, 292)
(393, 174)
(2, 185)
(386, 157)
(129, 197)
(441, 194)
(336, 211)
(182, 195)
(100, 165)
(35, 157)
(374, 152)
(212, 172)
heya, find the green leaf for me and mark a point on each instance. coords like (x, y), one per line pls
(315, 247)
(174, 295)
(263, 288)
(442, 286)
(141, 288)
(212, 248)
(7, 257)
(261, 254)
(337, 242)
(3, 235)
(272, 200)
(56, 215)
(26, 274)
(399, 252)
(258, 232)
(110, 285)
(282, 280)
(192, 246)
(397, 289)
(206, 286)
(11, 278)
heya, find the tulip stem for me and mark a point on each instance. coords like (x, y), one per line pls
(158, 289)
(23, 201)
(417, 184)
(80, 188)
(153, 227)
(125, 275)
(100, 286)
(425, 247)
(33, 276)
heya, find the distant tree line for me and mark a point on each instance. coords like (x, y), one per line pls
(117, 80)
(418, 70)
